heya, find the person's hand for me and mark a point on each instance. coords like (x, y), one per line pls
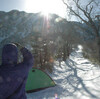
(19, 46)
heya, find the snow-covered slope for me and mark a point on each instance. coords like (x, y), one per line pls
(18, 25)
(77, 78)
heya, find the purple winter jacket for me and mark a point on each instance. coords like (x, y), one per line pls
(13, 76)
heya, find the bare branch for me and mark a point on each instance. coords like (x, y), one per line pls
(77, 1)
(91, 8)
(70, 8)
(87, 13)
(98, 18)
(88, 4)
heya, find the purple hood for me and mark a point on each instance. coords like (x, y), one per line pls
(9, 54)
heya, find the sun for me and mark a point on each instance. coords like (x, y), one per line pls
(45, 6)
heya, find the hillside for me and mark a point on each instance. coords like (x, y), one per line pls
(30, 29)
(17, 25)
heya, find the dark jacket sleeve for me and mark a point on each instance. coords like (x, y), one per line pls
(22, 68)
(17, 74)
(27, 63)
(27, 57)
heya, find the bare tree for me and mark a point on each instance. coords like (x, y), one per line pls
(88, 12)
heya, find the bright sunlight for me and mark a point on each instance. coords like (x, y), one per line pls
(45, 6)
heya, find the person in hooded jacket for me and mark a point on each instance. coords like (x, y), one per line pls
(13, 75)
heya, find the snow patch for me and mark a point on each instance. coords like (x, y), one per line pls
(77, 78)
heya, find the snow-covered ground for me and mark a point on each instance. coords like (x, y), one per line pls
(77, 78)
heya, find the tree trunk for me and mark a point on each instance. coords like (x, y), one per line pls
(98, 44)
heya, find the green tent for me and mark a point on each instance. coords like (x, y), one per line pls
(38, 80)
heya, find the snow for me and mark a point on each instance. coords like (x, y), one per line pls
(77, 78)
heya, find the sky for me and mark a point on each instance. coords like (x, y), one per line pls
(34, 6)
(7, 5)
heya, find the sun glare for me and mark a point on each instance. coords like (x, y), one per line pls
(45, 6)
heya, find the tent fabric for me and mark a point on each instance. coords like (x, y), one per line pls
(37, 80)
